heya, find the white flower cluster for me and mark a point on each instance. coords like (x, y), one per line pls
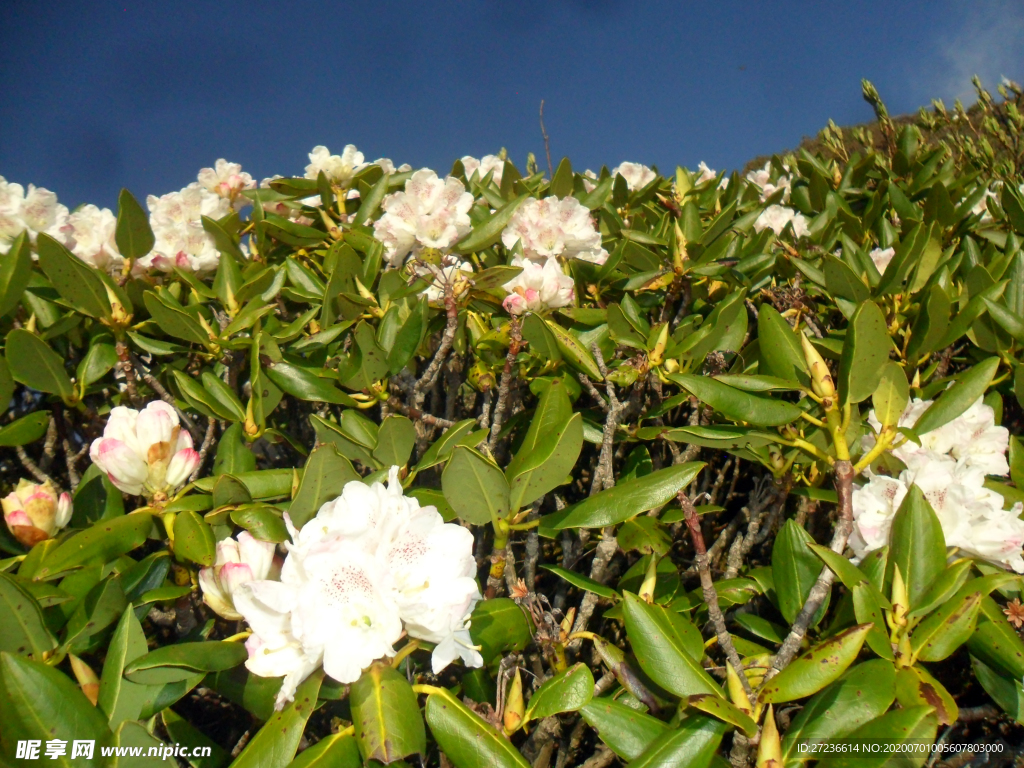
(181, 241)
(227, 180)
(540, 286)
(444, 275)
(776, 217)
(341, 169)
(486, 164)
(429, 213)
(637, 175)
(949, 466)
(762, 179)
(552, 228)
(35, 211)
(370, 564)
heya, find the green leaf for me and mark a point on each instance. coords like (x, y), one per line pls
(737, 404)
(581, 581)
(77, 282)
(561, 182)
(578, 356)
(566, 691)
(918, 546)
(959, 397)
(181, 731)
(193, 539)
(173, 320)
(395, 441)
(865, 352)
(693, 745)
(39, 703)
(822, 664)
(133, 235)
(499, 626)
(467, 739)
(332, 751)
(916, 688)
(304, 384)
(723, 710)
(626, 731)
(996, 643)
(233, 456)
(460, 433)
(850, 575)
(475, 487)
(1008, 693)
(781, 353)
(22, 627)
(935, 638)
(624, 500)
(264, 523)
(102, 606)
(842, 281)
(169, 663)
(15, 272)
(275, 743)
(865, 692)
(25, 430)
(914, 725)
(262, 484)
(103, 542)
(541, 340)
(34, 364)
(386, 715)
(121, 699)
(549, 451)
(324, 477)
(891, 396)
(663, 645)
(795, 569)
(346, 439)
(931, 323)
(486, 234)
(224, 397)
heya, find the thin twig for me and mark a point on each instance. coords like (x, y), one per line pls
(547, 143)
(515, 338)
(710, 594)
(166, 396)
(69, 455)
(789, 649)
(211, 428)
(417, 415)
(426, 381)
(125, 364)
(33, 468)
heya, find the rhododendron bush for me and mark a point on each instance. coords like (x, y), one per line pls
(505, 466)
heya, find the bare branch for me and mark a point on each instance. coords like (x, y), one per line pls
(547, 143)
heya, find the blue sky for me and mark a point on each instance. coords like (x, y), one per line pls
(99, 95)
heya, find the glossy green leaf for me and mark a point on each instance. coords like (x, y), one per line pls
(865, 352)
(722, 709)
(101, 543)
(79, 283)
(121, 699)
(917, 724)
(304, 384)
(915, 687)
(386, 715)
(692, 744)
(169, 663)
(193, 539)
(935, 638)
(663, 651)
(626, 731)
(395, 441)
(795, 569)
(323, 479)
(566, 691)
(865, 692)
(624, 500)
(332, 751)
(22, 627)
(475, 487)
(573, 350)
(233, 455)
(781, 353)
(466, 739)
(810, 672)
(918, 547)
(15, 272)
(489, 232)
(37, 702)
(737, 404)
(174, 320)
(274, 745)
(959, 397)
(499, 626)
(581, 581)
(892, 394)
(133, 235)
(33, 363)
(25, 430)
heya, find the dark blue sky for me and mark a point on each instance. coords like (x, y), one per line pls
(99, 95)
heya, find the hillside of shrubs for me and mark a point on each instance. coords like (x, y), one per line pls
(519, 466)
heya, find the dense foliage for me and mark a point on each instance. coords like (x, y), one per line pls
(516, 468)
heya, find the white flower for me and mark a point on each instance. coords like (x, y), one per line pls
(881, 258)
(449, 272)
(35, 211)
(590, 180)
(181, 241)
(90, 236)
(637, 176)
(949, 467)
(238, 562)
(227, 180)
(339, 170)
(538, 287)
(35, 512)
(145, 453)
(369, 562)
(429, 213)
(483, 166)
(553, 227)
(776, 217)
(389, 167)
(762, 178)
(973, 438)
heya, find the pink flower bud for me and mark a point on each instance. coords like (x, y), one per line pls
(34, 513)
